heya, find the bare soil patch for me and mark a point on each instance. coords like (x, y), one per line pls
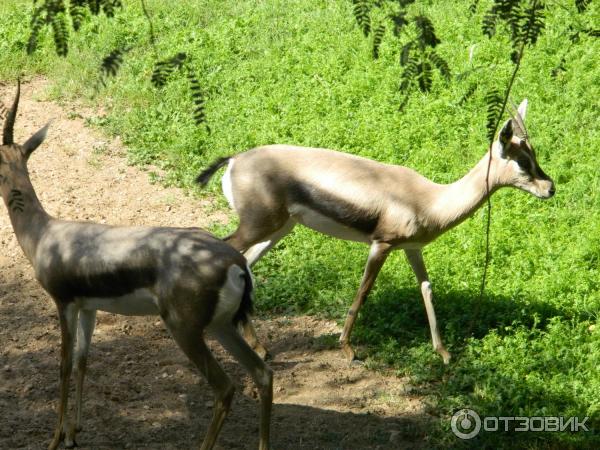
(141, 391)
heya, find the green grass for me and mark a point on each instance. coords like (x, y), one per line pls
(301, 72)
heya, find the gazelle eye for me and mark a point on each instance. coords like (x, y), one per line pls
(524, 163)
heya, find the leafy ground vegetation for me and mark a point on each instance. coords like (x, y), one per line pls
(302, 72)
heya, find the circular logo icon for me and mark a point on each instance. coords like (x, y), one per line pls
(466, 424)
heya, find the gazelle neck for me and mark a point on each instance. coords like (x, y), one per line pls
(27, 216)
(455, 202)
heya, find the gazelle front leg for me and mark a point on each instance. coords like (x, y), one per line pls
(415, 258)
(377, 256)
(85, 329)
(67, 315)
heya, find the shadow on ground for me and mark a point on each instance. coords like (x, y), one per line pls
(141, 392)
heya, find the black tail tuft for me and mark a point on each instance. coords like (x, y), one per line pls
(245, 309)
(207, 174)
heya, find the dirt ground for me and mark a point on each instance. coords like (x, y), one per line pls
(141, 391)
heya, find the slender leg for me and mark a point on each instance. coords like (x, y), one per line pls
(253, 253)
(67, 316)
(262, 375)
(256, 239)
(252, 339)
(415, 258)
(191, 342)
(85, 329)
(377, 256)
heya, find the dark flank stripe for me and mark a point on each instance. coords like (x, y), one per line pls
(114, 283)
(333, 207)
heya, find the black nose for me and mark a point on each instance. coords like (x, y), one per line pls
(551, 191)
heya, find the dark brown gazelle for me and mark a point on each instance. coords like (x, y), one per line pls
(272, 188)
(194, 281)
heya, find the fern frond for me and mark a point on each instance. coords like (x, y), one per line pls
(109, 7)
(425, 76)
(95, 6)
(399, 20)
(362, 9)
(77, 10)
(60, 31)
(377, 39)
(112, 63)
(473, 6)
(468, 94)
(506, 8)
(441, 64)
(55, 7)
(582, 5)
(404, 102)
(198, 99)
(533, 23)
(426, 32)
(411, 70)
(508, 11)
(163, 69)
(405, 53)
(488, 25)
(493, 100)
(38, 20)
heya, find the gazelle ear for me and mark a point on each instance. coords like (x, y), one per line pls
(522, 110)
(34, 141)
(506, 133)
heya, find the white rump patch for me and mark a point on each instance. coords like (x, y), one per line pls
(230, 296)
(226, 184)
(141, 302)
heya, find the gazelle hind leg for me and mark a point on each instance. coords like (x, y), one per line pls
(190, 340)
(253, 253)
(256, 251)
(377, 256)
(262, 375)
(251, 338)
(85, 329)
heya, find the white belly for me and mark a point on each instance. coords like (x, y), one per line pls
(325, 225)
(140, 302)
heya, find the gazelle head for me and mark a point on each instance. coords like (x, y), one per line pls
(13, 157)
(518, 165)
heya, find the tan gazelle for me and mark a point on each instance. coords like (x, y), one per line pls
(386, 206)
(194, 281)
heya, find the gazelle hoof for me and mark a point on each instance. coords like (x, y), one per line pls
(262, 352)
(357, 362)
(445, 356)
(58, 436)
(348, 353)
